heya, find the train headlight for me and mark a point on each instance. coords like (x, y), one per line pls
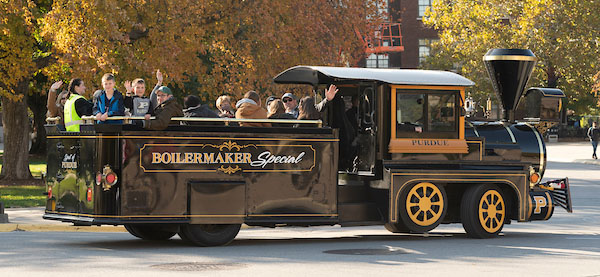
(534, 178)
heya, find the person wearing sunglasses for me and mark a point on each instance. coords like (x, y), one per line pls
(291, 104)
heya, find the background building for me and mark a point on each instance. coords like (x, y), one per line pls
(414, 38)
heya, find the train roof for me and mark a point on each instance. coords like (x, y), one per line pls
(315, 75)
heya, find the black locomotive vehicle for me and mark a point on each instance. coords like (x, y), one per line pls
(408, 158)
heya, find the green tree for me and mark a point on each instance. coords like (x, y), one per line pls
(563, 34)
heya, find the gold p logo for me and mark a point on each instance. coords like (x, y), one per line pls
(540, 202)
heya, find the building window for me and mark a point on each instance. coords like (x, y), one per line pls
(424, 48)
(423, 5)
(377, 61)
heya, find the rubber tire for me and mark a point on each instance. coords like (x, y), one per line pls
(209, 234)
(149, 232)
(396, 227)
(469, 211)
(407, 221)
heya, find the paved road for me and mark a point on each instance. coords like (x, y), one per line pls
(566, 245)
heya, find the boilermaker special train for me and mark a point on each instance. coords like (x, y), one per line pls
(414, 162)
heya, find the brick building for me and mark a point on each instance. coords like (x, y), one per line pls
(416, 39)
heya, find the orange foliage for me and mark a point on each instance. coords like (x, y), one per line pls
(227, 46)
(16, 46)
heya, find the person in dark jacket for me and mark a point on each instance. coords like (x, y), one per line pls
(108, 102)
(193, 108)
(340, 120)
(593, 134)
(276, 110)
(167, 108)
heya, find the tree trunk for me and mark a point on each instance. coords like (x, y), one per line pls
(15, 165)
(37, 104)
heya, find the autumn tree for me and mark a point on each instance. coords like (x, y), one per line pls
(227, 46)
(562, 34)
(20, 60)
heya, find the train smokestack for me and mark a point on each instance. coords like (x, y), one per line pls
(509, 70)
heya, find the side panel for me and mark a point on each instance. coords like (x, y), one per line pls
(229, 177)
(515, 179)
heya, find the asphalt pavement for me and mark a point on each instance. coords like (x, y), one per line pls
(30, 219)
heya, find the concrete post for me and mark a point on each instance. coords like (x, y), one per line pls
(3, 216)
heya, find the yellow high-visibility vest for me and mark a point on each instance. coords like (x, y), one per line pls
(72, 119)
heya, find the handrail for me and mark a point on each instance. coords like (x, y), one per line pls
(88, 120)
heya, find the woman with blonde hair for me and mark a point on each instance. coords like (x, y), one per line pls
(224, 106)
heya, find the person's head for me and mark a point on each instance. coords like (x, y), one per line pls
(289, 101)
(139, 87)
(62, 98)
(307, 109)
(224, 103)
(108, 82)
(76, 86)
(163, 94)
(191, 101)
(276, 107)
(595, 124)
(269, 100)
(253, 95)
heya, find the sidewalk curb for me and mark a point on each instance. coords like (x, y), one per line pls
(586, 161)
(11, 227)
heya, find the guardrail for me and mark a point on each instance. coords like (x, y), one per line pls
(90, 120)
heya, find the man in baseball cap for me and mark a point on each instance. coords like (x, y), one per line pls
(290, 102)
(166, 109)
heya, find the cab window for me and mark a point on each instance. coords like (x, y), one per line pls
(426, 113)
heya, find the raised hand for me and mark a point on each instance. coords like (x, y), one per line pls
(331, 92)
(56, 86)
(128, 87)
(159, 77)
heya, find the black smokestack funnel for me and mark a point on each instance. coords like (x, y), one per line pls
(509, 70)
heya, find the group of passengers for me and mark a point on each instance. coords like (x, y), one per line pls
(71, 105)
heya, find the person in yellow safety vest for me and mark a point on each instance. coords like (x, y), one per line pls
(76, 106)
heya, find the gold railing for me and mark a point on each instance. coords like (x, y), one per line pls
(89, 120)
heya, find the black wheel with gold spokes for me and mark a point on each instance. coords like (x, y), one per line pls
(483, 211)
(422, 206)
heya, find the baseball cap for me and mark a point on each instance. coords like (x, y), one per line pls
(270, 99)
(165, 90)
(290, 95)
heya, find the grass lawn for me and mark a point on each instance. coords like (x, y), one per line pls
(37, 164)
(22, 196)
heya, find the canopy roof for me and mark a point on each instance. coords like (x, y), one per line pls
(548, 92)
(315, 75)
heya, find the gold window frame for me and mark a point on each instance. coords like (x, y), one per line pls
(428, 145)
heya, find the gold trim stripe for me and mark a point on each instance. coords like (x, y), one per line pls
(509, 58)
(189, 216)
(190, 138)
(550, 206)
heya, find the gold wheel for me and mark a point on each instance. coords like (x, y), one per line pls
(425, 204)
(491, 211)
